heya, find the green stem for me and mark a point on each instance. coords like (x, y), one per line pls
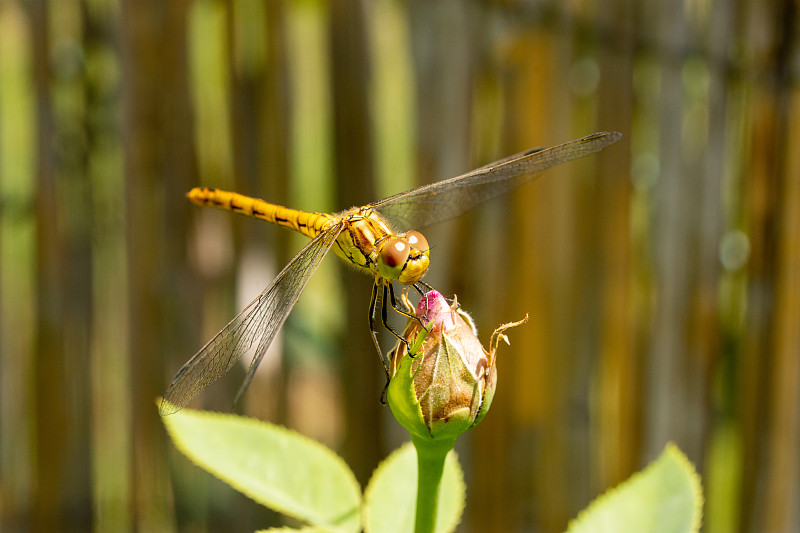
(431, 455)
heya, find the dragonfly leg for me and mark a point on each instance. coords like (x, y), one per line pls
(388, 288)
(393, 300)
(385, 291)
(373, 308)
(409, 315)
(418, 286)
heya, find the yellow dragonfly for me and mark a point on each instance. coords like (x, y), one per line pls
(366, 237)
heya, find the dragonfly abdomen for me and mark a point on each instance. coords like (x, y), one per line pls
(303, 221)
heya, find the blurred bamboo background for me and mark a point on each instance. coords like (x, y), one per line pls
(662, 276)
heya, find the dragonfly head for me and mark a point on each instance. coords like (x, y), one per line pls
(404, 257)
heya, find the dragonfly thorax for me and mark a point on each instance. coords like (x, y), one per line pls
(367, 241)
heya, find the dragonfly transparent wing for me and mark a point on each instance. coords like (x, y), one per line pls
(446, 199)
(257, 323)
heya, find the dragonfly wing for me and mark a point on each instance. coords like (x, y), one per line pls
(446, 199)
(259, 321)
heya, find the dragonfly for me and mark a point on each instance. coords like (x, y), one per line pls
(364, 236)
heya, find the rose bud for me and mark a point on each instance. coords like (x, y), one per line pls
(443, 380)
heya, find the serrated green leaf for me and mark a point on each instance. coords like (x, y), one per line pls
(390, 497)
(665, 497)
(274, 466)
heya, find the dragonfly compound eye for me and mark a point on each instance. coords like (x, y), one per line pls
(417, 240)
(393, 257)
(418, 259)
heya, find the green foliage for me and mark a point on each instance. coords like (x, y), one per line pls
(391, 494)
(275, 467)
(665, 497)
(290, 473)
